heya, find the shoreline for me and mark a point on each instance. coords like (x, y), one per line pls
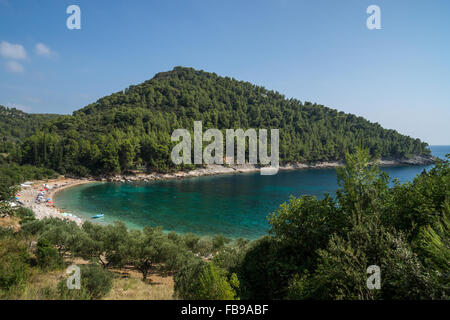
(44, 210)
(215, 169)
(47, 209)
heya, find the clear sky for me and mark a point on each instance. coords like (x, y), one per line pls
(319, 51)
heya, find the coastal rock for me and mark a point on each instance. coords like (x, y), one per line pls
(215, 169)
(419, 160)
(414, 161)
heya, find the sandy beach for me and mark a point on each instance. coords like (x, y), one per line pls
(47, 209)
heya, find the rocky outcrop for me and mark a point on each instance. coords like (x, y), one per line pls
(414, 161)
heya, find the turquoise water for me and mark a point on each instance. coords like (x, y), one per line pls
(233, 205)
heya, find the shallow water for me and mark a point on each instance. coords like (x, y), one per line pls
(233, 205)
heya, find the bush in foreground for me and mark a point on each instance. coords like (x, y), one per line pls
(47, 255)
(14, 267)
(205, 281)
(96, 282)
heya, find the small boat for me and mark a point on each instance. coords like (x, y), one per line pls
(100, 215)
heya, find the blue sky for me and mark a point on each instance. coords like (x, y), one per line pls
(319, 51)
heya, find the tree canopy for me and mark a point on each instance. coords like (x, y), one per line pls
(131, 129)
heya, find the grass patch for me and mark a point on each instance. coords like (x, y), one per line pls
(127, 285)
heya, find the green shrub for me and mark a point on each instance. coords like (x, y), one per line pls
(66, 236)
(231, 255)
(65, 293)
(6, 233)
(205, 281)
(14, 258)
(204, 247)
(191, 240)
(266, 269)
(219, 242)
(47, 255)
(96, 282)
(25, 214)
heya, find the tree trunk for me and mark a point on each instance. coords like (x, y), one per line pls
(104, 264)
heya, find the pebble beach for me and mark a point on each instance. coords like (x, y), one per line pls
(46, 208)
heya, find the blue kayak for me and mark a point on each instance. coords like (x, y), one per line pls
(98, 216)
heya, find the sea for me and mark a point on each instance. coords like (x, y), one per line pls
(232, 205)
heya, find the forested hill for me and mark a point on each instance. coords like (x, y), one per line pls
(132, 128)
(16, 125)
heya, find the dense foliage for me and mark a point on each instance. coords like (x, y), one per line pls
(205, 281)
(14, 264)
(96, 282)
(321, 248)
(16, 125)
(131, 129)
(111, 246)
(316, 248)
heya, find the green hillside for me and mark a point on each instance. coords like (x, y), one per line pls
(132, 128)
(16, 125)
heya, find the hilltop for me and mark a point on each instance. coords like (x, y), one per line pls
(131, 129)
